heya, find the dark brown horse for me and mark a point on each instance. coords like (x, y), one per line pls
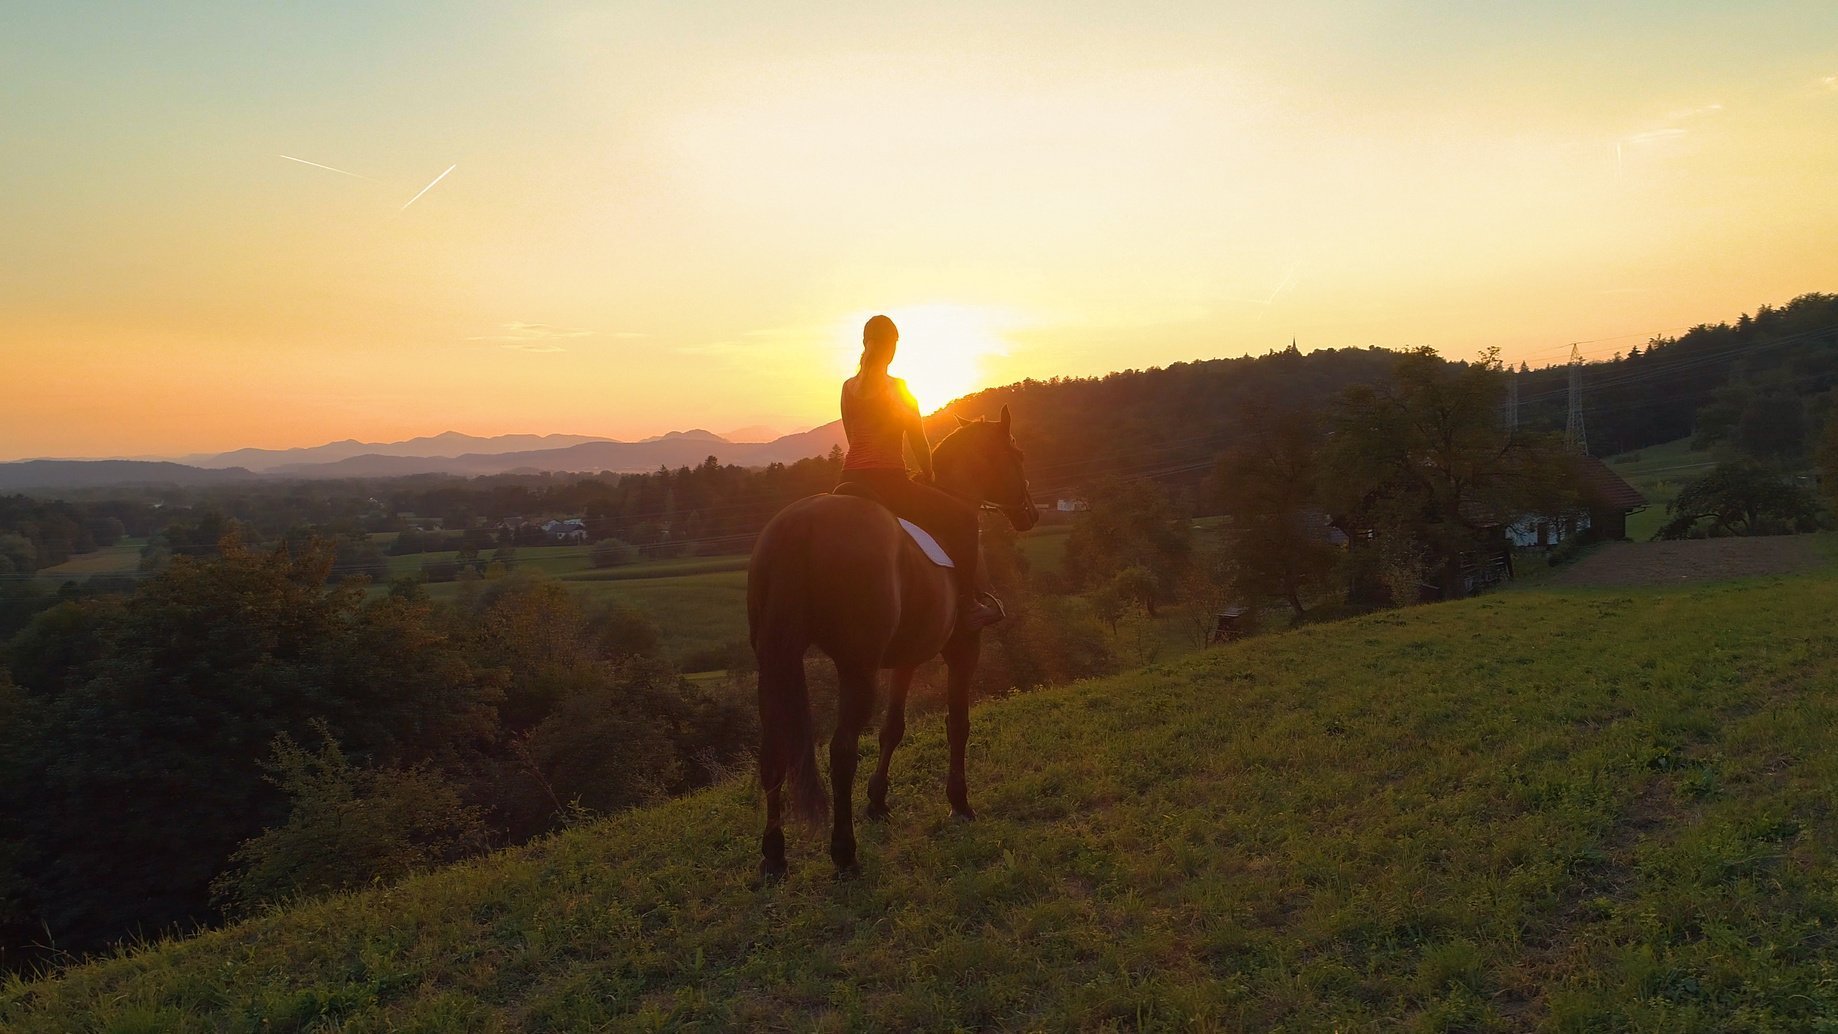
(837, 572)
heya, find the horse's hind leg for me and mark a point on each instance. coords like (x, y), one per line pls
(893, 730)
(854, 700)
(961, 656)
(772, 865)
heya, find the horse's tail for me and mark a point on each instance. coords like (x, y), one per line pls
(779, 608)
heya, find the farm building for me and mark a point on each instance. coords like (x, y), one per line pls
(571, 530)
(1607, 501)
(1608, 498)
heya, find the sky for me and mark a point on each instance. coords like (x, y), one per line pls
(662, 215)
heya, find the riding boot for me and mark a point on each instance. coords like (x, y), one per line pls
(977, 611)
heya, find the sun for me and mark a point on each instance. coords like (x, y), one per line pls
(943, 348)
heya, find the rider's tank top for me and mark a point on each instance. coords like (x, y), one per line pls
(875, 422)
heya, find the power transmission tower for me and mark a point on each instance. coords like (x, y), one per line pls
(1575, 435)
(1512, 400)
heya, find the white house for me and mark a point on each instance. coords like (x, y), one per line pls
(570, 530)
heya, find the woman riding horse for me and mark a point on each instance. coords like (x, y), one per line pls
(880, 417)
(839, 573)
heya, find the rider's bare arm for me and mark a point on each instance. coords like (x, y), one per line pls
(915, 430)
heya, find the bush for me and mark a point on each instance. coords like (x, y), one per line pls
(631, 734)
(1046, 640)
(612, 553)
(347, 827)
(439, 570)
(733, 656)
(622, 632)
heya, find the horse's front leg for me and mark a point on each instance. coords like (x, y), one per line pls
(855, 700)
(961, 655)
(893, 730)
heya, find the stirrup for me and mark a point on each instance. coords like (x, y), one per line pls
(984, 610)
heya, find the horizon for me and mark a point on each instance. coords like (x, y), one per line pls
(248, 228)
(1600, 350)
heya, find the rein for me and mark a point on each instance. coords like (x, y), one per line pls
(1016, 512)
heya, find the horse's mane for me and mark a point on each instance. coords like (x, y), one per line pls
(962, 436)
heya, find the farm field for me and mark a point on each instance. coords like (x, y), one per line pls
(1045, 547)
(1659, 472)
(1565, 808)
(699, 603)
(121, 558)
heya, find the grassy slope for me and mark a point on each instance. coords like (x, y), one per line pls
(1586, 810)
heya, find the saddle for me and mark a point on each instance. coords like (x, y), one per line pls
(921, 538)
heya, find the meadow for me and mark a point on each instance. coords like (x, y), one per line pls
(1560, 808)
(1659, 472)
(121, 558)
(697, 602)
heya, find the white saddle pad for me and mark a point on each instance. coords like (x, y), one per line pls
(933, 551)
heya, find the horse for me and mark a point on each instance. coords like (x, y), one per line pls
(839, 573)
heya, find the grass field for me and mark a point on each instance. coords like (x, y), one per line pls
(700, 602)
(1578, 809)
(1659, 472)
(121, 558)
(1045, 547)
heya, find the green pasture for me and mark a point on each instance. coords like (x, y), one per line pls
(693, 611)
(1045, 547)
(1575, 810)
(1659, 472)
(121, 558)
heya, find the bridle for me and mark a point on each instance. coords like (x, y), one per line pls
(1013, 511)
(1019, 513)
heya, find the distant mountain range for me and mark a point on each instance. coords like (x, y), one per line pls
(29, 474)
(448, 453)
(450, 443)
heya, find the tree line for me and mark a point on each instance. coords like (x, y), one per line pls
(236, 731)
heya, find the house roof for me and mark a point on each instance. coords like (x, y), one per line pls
(1603, 487)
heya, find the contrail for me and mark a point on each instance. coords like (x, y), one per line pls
(427, 188)
(327, 168)
(1289, 279)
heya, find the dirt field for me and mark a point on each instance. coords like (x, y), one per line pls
(1693, 560)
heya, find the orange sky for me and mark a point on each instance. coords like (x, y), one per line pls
(666, 216)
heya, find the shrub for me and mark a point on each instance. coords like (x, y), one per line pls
(347, 827)
(612, 553)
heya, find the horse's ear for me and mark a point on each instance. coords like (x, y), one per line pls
(1004, 420)
(961, 422)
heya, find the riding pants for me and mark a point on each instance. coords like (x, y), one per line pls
(952, 521)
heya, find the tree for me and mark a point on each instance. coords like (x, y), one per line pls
(1207, 588)
(150, 771)
(1741, 498)
(623, 734)
(623, 632)
(1427, 453)
(19, 717)
(347, 827)
(1129, 524)
(1828, 457)
(1136, 585)
(612, 553)
(1267, 482)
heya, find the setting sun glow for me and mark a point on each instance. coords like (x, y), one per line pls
(628, 219)
(944, 348)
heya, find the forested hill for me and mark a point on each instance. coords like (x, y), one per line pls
(1168, 423)
(1760, 383)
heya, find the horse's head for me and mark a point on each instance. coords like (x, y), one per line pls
(979, 461)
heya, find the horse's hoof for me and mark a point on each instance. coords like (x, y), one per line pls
(964, 814)
(771, 872)
(877, 812)
(848, 873)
